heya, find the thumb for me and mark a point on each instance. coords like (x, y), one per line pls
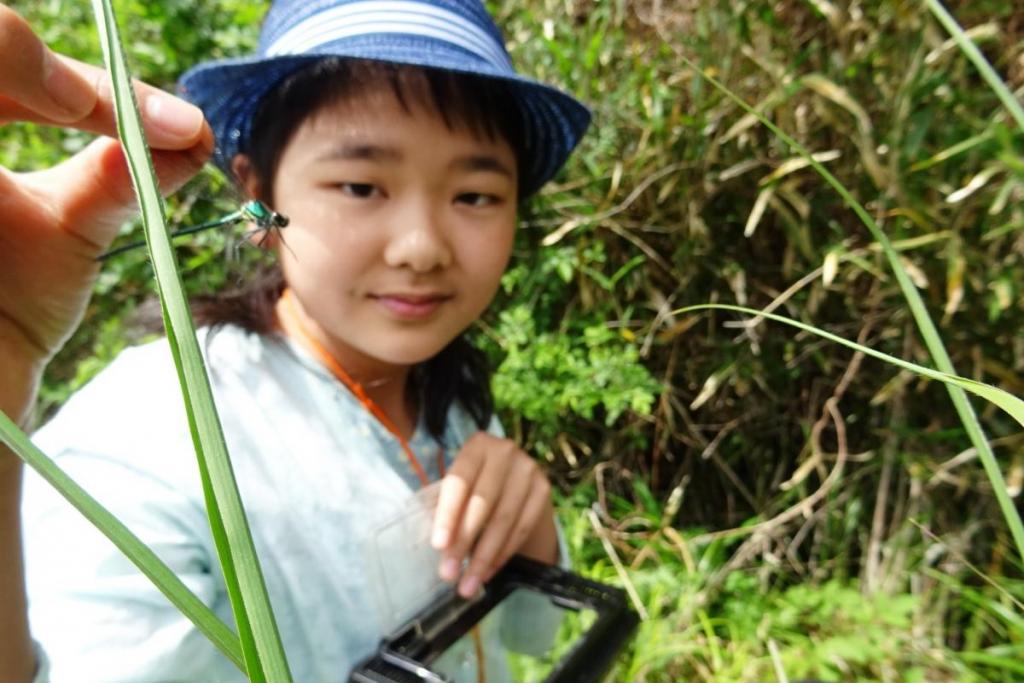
(91, 194)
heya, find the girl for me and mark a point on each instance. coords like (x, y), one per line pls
(398, 140)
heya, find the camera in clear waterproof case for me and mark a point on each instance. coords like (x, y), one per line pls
(551, 625)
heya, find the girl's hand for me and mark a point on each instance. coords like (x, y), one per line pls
(495, 502)
(54, 222)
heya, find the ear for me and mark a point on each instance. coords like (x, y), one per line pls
(245, 175)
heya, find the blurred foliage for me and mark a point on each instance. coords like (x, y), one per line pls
(680, 427)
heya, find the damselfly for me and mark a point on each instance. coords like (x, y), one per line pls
(255, 212)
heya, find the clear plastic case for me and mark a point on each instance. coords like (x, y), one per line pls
(403, 588)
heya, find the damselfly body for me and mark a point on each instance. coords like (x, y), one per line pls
(253, 211)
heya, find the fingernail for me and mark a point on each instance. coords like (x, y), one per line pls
(449, 569)
(173, 115)
(439, 539)
(469, 586)
(68, 90)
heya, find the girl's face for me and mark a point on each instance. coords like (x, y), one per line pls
(401, 227)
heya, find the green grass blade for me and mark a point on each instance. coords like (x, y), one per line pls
(1009, 403)
(135, 550)
(260, 641)
(957, 149)
(922, 318)
(968, 47)
(1002, 663)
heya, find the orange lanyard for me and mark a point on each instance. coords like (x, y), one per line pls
(292, 324)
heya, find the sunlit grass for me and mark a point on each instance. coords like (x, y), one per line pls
(261, 644)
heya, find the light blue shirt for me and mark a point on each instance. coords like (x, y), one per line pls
(318, 476)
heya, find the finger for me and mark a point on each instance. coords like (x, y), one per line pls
(503, 522)
(91, 195)
(170, 122)
(533, 512)
(41, 86)
(455, 488)
(481, 503)
(33, 76)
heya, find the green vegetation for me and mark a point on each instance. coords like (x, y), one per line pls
(778, 507)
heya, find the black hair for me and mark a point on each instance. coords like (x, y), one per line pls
(487, 107)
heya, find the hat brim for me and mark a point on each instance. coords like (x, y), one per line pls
(229, 92)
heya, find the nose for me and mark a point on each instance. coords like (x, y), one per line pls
(417, 240)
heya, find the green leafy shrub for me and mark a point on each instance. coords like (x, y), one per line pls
(552, 377)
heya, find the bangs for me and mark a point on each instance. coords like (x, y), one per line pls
(487, 107)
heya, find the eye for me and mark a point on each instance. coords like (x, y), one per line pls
(477, 199)
(359, 190)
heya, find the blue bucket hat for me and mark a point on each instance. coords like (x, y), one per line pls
(451, 35)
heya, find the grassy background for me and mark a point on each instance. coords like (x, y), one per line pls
(761, 533)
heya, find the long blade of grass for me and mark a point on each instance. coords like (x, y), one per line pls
(1012, 405)
(260, 641)
(922, 318)
(968, 47)
(145, 559)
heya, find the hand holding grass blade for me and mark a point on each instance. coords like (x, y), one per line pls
(54, 221)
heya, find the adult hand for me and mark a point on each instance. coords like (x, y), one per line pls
(54, 222)
(495, 502)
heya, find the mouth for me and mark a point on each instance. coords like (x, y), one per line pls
(410, 305)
